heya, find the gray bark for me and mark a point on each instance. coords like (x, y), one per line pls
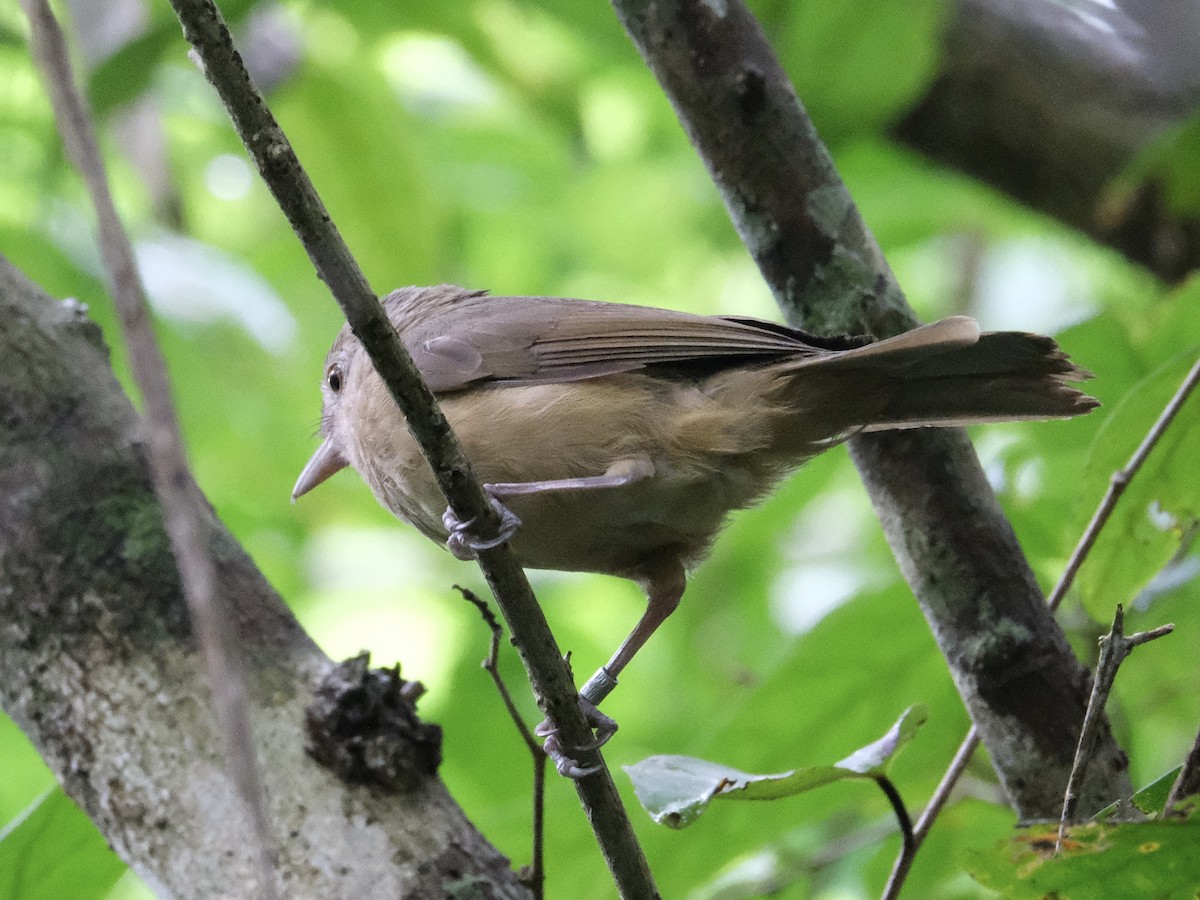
(99, 668)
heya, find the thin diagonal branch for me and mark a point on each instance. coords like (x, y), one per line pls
(283, 174)
(1119, 482)
(181, 504)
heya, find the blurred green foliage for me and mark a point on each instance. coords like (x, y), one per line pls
(524, 148)
(29, 870)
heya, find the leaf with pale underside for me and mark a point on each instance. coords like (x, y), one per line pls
(675, 790)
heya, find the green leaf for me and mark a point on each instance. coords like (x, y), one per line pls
(1153, 797)
(1150, 800)
(1146, 860)
(1160, 508)
(855, 69)
(675, 790)
(52, 850)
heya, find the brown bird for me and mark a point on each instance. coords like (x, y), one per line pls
(622, 436)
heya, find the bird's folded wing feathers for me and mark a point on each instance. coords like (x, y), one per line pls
(540, 340)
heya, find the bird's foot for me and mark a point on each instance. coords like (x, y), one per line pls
(466, 543)
(604, 726)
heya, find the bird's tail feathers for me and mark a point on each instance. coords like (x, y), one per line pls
(948, 373)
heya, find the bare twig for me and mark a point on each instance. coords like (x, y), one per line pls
(1188, 780)
(172, 479)
(1119, 482)
(1114, 648)
(537, 874)
(287, 180)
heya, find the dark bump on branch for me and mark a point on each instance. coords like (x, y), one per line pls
(363, 725)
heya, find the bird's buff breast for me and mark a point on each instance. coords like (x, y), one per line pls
(562, 431)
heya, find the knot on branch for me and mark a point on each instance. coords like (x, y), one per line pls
(363, 725)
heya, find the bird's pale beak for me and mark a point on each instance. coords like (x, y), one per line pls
(325, 462)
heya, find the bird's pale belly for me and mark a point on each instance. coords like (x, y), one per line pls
(614, 530)
(548, 433)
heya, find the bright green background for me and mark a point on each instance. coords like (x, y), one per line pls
(524, 148)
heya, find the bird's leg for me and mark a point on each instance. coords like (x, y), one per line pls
(622, 473)
(664, 587)
(604, 726)
(465, 543)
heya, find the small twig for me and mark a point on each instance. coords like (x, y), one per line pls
(1188, 781)
(280, 169)
(909, 848)
(172, 478)
(537, 875)
(1114, 648)
(1117, 485)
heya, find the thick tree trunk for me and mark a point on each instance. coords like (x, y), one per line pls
(99, 668)
(1024, 688)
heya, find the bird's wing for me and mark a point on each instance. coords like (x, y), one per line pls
(537, 340)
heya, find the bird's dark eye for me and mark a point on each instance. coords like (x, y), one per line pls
(334, 377)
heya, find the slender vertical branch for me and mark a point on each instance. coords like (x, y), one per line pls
(279, 167)
(180, 502)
